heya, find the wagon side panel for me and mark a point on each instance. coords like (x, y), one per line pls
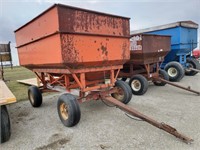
(146, 49)
(39, 27)
(155, 48)
(188, 40)
(83, 21)
(81, 50)
(41, 53)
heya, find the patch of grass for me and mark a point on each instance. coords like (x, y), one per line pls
(18, 73)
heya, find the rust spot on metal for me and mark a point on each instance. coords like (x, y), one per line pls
(94, 23)
(104, 50)
(124, 48)
(68, 22)
(69, 52)
(125, 27)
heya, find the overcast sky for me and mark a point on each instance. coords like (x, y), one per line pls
(143, 13)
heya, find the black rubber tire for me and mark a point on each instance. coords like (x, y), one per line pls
(178, 68)
(194, 64)
(162, 74)
(143, 84)
(35, 96)
(74, 113)
(126, 91)
(129, 91)
(5, 130)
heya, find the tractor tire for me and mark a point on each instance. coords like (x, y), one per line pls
(138, 84)
(125, 94)
(68, 110)
(175, 71)
(5, 130)
(35, 96)
(162, 74)
(193, 63)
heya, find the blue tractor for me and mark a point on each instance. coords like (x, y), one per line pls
(179, 61)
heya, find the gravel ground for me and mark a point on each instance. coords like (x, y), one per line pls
(103, 127)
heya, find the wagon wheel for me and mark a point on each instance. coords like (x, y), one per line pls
(124, 93)
(175, 71)
(192, 63)
(68, 110)
(35, 96)
(5, 130)
(162, 74)
(138, 84)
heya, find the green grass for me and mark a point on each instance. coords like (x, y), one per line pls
(17, 73)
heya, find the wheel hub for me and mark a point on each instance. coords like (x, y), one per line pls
(172, 72)
(119, 95)
(136, 85)
(64, 111)
(189, 65)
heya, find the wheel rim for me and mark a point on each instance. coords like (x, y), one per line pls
(136, 85)
(172, 72)
(64, 111)
(31, 97)
(189, 65)
(120, 95)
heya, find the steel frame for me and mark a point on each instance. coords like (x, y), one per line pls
(62, 77)
(154, 76)
(97, 89)
(146, 71)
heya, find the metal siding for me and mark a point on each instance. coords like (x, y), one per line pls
(81, 21)
(44, 52)
(44, 25)
(175, 40)
(80, 50)
(85, 39)
(149, 48)
(173, 32)
(179, 36)
(188, 38)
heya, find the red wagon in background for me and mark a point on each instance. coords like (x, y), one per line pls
(147, 51)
